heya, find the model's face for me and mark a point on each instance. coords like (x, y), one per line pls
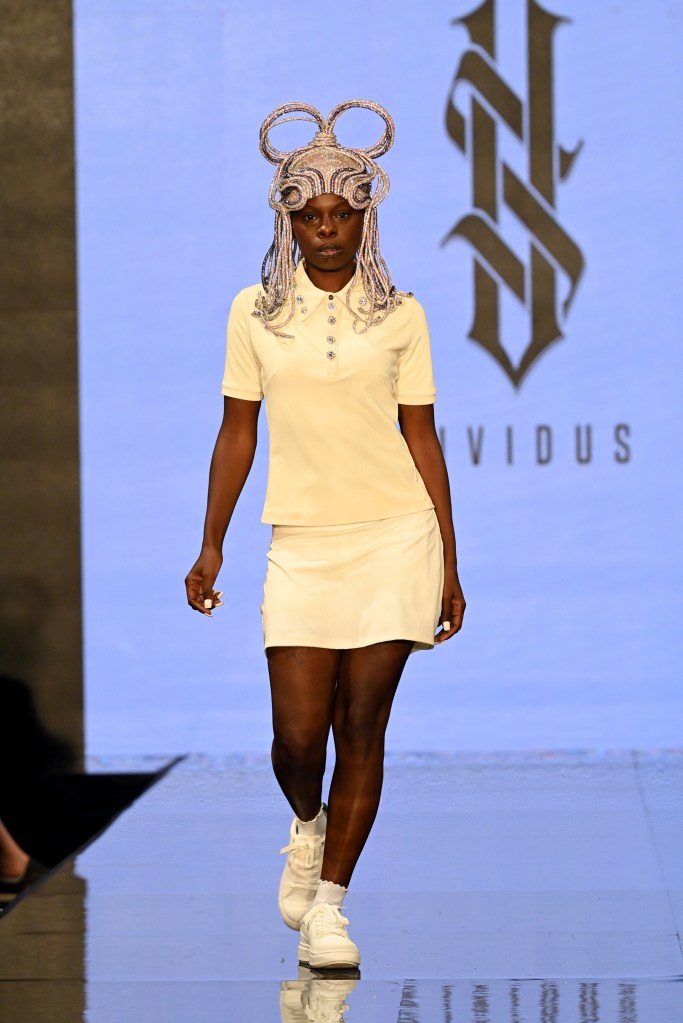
(328, 232)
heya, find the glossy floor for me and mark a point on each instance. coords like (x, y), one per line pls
(496, 889)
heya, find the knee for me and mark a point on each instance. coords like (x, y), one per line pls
(298, 748)
(359, 736)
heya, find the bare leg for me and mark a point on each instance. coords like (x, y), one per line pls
(13, 859)
(368, 679)
(302, 685)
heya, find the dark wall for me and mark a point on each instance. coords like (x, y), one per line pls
(40, 567)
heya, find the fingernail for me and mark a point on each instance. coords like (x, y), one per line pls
(445, 626)
(208, 602)
(218, 594)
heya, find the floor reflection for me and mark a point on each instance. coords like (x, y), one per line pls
(518, 1002)
(316, 997)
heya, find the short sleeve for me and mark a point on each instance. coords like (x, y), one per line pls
(242, 377)
(415, 379)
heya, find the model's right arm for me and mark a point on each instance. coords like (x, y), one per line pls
(230, 465)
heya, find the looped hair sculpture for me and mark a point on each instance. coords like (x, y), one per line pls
(319, 167)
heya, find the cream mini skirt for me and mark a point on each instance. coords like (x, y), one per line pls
(351, 585)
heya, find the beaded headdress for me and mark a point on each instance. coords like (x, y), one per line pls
(321, 166)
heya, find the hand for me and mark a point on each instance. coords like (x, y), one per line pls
(452, 606)
(200, 580)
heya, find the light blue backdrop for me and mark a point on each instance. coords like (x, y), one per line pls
(572, 572)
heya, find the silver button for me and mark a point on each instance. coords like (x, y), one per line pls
(362, 301)
(331, 340)
(304, 309)
(299, 299)
(332, 320)
(330, 305)
(331, 355)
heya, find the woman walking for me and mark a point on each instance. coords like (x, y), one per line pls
(362, 564)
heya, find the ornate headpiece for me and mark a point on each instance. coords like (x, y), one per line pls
(319, 167)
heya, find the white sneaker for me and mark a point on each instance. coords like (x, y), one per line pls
(301, 875)
(324, 942)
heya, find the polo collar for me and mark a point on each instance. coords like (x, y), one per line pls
(308, 298)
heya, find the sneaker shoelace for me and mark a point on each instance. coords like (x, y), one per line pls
(329, 918)
(302, 852)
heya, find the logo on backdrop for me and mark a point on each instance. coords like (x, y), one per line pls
(546, 278)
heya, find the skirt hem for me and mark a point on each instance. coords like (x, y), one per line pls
(418, 644)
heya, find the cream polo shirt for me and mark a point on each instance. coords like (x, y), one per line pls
(332, 396)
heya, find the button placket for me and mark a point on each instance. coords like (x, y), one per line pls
(331, 339)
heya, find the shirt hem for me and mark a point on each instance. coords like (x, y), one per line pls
(297, 520)
(416, 399)
(235, 392)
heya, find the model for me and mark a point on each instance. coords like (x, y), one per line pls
(362, 564)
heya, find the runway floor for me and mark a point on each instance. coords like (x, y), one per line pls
(494, 889)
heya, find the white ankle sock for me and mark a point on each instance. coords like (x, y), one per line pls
(329, 892)
(315, 827)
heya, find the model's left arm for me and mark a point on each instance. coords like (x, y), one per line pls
(419, 433)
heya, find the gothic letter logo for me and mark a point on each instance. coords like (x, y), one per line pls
(495, 106)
